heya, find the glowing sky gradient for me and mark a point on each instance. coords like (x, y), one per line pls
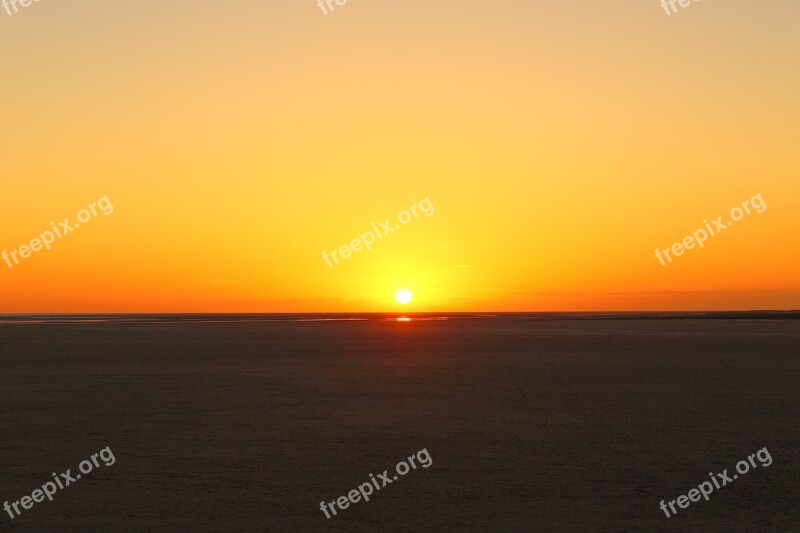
(561, 142)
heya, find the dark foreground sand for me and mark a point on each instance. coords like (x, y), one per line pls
(532, 425)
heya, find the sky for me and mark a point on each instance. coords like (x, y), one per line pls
(559, 144)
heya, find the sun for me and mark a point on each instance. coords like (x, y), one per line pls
(403, 296)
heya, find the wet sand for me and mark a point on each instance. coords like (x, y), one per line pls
(533, 425)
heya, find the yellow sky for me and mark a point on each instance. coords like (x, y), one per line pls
(560, 143)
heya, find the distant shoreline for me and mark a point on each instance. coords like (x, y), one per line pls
(80, 318)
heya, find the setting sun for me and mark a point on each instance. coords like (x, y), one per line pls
(403, 296)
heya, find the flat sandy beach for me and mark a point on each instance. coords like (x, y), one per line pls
(532, 425)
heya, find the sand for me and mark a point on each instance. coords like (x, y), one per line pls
(533, 425)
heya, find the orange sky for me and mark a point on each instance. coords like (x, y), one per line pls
(560, 143)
